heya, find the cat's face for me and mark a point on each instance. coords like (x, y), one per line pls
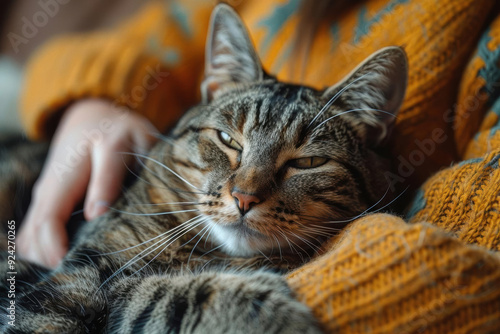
(274, 167)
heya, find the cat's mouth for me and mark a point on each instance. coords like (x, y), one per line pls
(243, 229)
(239, 238)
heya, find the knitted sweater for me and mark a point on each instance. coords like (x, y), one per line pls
(438, 274)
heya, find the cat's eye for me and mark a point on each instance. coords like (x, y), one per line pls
(228, 141)
(309, 162)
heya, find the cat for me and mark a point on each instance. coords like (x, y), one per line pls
(246, 187)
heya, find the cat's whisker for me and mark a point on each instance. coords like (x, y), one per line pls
(366, 211)
(154, 238)
(167, 140)
(392, 201)
(161, 179)
(145, 167)
(169, 241)
(27, 283)
(135, 259)
(292, 248)
(270, 232)
(314, 247)
(30, 296)
(279, 246)
(334, 98)
(129, 262)
(204, 220)
(212, 228)
(147, 264)
(152, 214)
(138, 177)
(291, 239)
(174, 236)
(300, 254)
(325, 232)
(171, 203)
(265, 256)
(284, 237)
(207, 227)
(208, 262)
(266, 230)
(165, 167)
(316, 233)
(161, 137)
(386, 205)
(314, 219)
(77, 212)
(316, 227)
(213, 249)
(72, 261)
(349, 111)
(327, 228)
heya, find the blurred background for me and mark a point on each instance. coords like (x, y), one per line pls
(26, 24)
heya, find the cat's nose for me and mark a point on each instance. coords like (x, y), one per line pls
(244, 202)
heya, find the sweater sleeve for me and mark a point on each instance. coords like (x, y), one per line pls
(151, 64)
(383, 275)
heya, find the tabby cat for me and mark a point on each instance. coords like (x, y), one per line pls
(245, 188)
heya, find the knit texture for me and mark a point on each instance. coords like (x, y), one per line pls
(464, 200)
(479, 97)
(488, 137)
(385, 276)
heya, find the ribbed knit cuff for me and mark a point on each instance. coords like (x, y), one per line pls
(464, 199)
(386, 276)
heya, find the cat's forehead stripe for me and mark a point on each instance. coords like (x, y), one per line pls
(267, 107)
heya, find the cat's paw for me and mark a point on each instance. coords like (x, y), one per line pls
(251, 303)
(254, 302)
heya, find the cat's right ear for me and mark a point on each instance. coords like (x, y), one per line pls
(230, 57)
(374, 91)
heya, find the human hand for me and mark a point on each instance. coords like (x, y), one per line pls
(83, 161)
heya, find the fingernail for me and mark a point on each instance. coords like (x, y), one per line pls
(99, 208)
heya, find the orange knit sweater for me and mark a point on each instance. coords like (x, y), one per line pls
(440, 274)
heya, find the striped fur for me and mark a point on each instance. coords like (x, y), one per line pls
(177, 254)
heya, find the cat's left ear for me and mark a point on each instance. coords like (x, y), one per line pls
(374, 92)
(230, 57)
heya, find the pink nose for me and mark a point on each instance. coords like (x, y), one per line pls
(245, 201)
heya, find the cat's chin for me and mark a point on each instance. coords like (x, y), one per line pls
(239, 240)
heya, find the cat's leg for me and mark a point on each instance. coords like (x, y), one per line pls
(73, 298)
(17, 276)
(64, 302)
(70, 299)
(237, 302)
(26, 273)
